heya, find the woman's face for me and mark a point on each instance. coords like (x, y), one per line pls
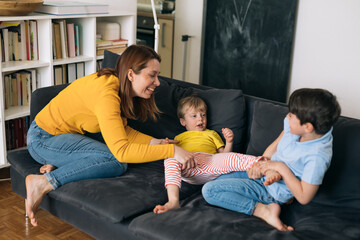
(144, 83)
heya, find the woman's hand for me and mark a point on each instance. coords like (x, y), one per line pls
(184, 157)
(155, 141)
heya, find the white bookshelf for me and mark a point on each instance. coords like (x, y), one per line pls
(45, 64)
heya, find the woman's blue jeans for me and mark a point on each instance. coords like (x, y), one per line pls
(236, 192)
(75, 156)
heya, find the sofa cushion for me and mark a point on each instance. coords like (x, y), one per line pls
(203, 221)
(266, 126)
(341, 183)
(138, 191)
(226, 108)
(109, 60)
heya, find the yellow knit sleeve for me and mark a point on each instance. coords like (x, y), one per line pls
(136, 136)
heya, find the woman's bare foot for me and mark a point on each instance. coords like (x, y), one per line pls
(270, 213)
(47, 168)
(166, 207)
(36, 188)
(271, 177)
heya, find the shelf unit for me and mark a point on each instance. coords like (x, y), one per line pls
(45, 64)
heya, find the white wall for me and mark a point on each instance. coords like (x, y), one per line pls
(327, 50)
(188, 21)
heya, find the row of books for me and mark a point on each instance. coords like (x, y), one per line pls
(66, 39)
(115, 46)
(19, 40)
(18, 87)
(67, 73)
(16, 130)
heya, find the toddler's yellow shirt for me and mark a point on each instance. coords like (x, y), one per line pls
(92, 104)
(207, 141)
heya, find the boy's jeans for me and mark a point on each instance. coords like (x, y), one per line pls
(235, 191)
(75, 156)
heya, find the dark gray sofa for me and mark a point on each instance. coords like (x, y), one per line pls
(121, 207)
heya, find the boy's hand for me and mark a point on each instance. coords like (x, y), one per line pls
(228, 135)
(271, 165)
(254, 172)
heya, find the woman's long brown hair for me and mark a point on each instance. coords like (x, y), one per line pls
(135, 57)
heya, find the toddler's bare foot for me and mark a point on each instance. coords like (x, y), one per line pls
(47, 168)
(36, 188)
(166, 207)
(271, 177)
(270, 213)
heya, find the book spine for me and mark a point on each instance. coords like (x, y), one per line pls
(71, 39)
(63, 40)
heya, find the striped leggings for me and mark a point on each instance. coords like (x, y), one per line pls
(209, 167)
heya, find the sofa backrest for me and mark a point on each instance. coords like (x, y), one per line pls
(340, 187)
(42, 96)
(226, 108)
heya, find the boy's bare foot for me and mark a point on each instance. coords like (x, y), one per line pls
(270, 213)
(47, 168)
(166, 207)
(36, 188)
(271, 177)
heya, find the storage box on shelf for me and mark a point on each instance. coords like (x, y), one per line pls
(44, 65)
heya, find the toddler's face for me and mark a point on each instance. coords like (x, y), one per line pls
(194, 119)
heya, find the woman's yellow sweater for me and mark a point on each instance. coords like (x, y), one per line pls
(92, 104)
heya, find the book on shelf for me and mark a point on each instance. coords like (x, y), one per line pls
(57, 41)
(22, 41)
(77, 40)
(71, 71)
(18, 87)
(27, 40)
(105, 43)
(114, 49)
(5, 43)
(19, 41)
(16, 130)
(34, 40)
(116, 46)
(71, 39)
(80, 70)
(72, 7)
(65, 39)
(58, 75)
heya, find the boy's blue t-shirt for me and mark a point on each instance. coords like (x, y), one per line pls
(307, 160)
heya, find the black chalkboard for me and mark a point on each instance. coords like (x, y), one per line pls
(248, 46)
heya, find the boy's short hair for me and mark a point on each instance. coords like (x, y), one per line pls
(316, 106)
(190, 102)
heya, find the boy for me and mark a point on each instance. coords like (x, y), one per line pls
(205, 144)
(301, 155)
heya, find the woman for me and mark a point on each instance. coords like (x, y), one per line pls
(64, 136)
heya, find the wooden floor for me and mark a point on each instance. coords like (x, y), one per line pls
(15, 226)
